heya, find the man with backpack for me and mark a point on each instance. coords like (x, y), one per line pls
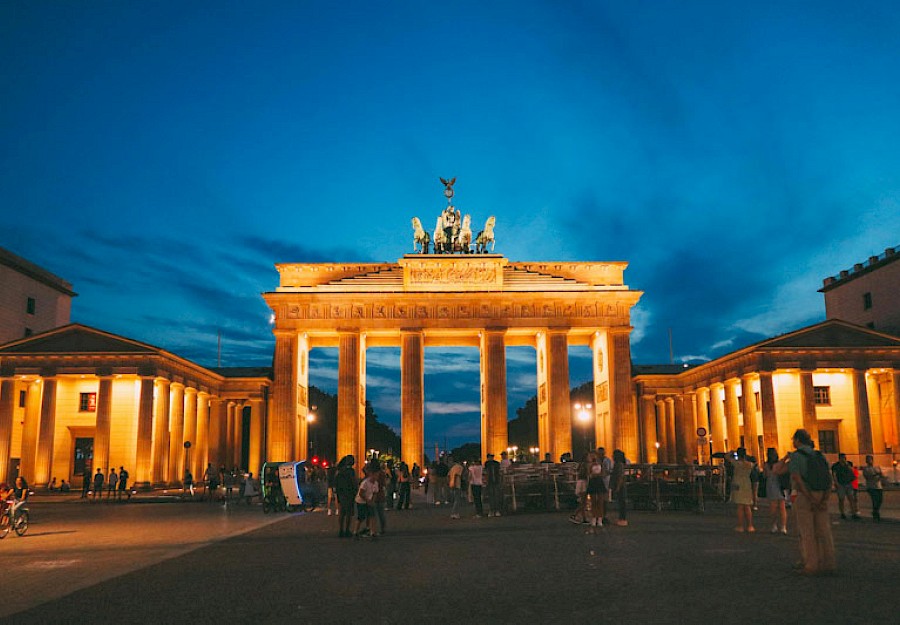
(843, 481)
(811, 478)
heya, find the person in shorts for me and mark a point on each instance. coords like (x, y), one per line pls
(365, 504)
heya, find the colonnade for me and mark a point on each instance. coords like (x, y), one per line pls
(761, 409)
(614, 422)
(139, 422)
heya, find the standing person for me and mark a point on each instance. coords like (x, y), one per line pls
(772, 470)
(492, 478)
(874, 486)
(607, 465)
(617, 486)
(188, 482)
(597, 492)
(123, 484)
(742, 491)
(754, 480)
(403, 478)
(381, 476)
(98, 483)
(211, 478)
(345, 485)
(391, 483)
(365, 503)
(455, 481)
(811, 479)
(854, 485)
(415, 474)
(440, 472)
(581, 481)
(111, 483)
(504, 461)
(843, 480)
(476, 480)
(85, 483)
(228, 482)
(330, 496)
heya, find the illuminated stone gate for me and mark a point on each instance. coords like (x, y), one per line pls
(427, 300)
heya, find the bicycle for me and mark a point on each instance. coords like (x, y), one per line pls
(15, 519)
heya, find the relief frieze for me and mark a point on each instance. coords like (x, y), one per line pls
(449, 310)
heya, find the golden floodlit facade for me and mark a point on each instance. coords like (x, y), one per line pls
(77, 398)
(839, 381)
(426, 300)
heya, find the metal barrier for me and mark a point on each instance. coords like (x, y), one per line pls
(548, 487)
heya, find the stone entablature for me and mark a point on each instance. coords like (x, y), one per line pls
(480, 300)
(485, 272)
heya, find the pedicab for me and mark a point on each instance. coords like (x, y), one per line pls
(280, 486)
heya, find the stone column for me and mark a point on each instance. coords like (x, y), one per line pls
(732, 426)
(256, 458)
(602, 357)
(621, 393)
(863, 419)
(671, 432)
(495, 437)
(43, 461)
(201, 446)
(560, 416)
(662, 432)
(218, 414)
(895, 385)
(648, 428)
(808, 404)
(683, 434)
(228, 457)
(751, 431)
(875, 417)
(302, 422)
(103, 423)
(176, 438)
(351, 397)
(769, 418)
(282, 419)
(7, 406)
(716, 417)
(190, 431)
(238, 442)
(543, 395)
(143, 471)
(30, 428)
(412, 398)
(161, 433)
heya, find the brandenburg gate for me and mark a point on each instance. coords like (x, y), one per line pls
(453, 298)
(426, 300)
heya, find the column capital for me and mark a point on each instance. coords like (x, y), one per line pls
(176, 385)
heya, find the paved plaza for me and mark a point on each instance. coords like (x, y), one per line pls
(193, 562)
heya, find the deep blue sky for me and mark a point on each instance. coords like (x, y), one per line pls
(163, 156)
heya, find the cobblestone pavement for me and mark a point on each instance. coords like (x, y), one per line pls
(196, 562)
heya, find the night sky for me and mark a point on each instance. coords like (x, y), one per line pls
(162, 156)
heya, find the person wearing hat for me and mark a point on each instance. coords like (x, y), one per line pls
(491, 477)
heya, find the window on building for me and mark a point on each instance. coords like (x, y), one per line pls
(756, 399)
(828, 441)
(29, 307)
(867, 301)
(822, 395)
(23, 395)
(88, 402)
(28, 331)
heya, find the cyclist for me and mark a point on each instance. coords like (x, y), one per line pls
(19, 495)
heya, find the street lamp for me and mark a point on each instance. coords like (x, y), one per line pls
(310, 419)
(582, 412)
(656, 444)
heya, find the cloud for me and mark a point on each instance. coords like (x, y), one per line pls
(450, 408)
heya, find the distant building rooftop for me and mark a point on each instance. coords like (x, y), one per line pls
(659, 369)
(31, 270)
(890, 255)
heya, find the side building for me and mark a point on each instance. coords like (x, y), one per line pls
(868, 294)
(838, 380)
(32, 299)
(75, 399)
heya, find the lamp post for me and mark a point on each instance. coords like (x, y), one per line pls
(656, 444)
(310, 419)
(582, 412)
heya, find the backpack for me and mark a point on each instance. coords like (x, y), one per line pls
(818, 475)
